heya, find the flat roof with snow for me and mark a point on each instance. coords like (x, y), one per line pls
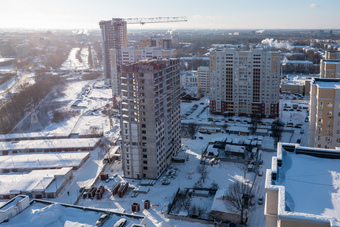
(49, 144)
(327, 83)
(308, 181)
(43, 160)
(43, 213)
(36, 180)
(31, 135)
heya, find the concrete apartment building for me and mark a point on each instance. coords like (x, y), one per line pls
(131, 54)
(330, 66)
(156, 42)
(302, 187)
(150, 117)
(114, 36)
(245, 83)
(332, 55)
(189, 78)
(203, 79)
(324, 120)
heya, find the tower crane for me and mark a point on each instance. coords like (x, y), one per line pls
(142, 21)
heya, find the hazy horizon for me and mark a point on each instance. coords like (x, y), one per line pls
(216, 14)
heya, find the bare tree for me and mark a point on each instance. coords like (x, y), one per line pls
(277, 129)
(203, 171)
(237, 196)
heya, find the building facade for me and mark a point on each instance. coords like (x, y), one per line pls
(150, 117)
(245, 83)
(203, 79)
(324, 119)
(332, 55)
(189, 78)
(114, 36)
(131, 55)
(329, 68)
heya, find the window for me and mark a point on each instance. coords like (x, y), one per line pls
(145, 168)
(144, 138)
(143, 126)
(145, 162)
(145, 156)
(144, 150)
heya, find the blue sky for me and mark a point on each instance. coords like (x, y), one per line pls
(215, 14)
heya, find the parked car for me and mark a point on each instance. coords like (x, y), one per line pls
(102, 219)
(260, 200)
(260, 173)
(120, 223)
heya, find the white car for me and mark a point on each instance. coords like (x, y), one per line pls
(120, 223)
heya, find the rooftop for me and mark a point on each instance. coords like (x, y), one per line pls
(43, 160)
(308, 180)
(33, 181)
(327, 83)
(47, 144)
(43, 213)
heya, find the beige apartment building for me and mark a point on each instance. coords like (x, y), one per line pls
(329, 68)
(332, 55)
(131, 55)
(324, 129)
(301, 187)
(150, 116)
(203, 79)
(245, 83)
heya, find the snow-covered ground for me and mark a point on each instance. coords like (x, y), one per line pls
(93, 100)
(72, 63)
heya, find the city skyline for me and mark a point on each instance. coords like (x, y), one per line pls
(217, 14)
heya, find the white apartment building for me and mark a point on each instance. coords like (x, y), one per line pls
(324, 119)
(189, 78)
(150, 117)
(245, 83)
(203, 79)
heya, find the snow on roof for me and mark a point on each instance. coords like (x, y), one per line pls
(235, 148)
(261, 130)
(35, 180)
(238, 128)
(308, 185)
(42, 214)
(32, 135)
(327, 84)
(46, 144)
(219, 203)
(212, 150)
(296, 62)
(43, 160)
